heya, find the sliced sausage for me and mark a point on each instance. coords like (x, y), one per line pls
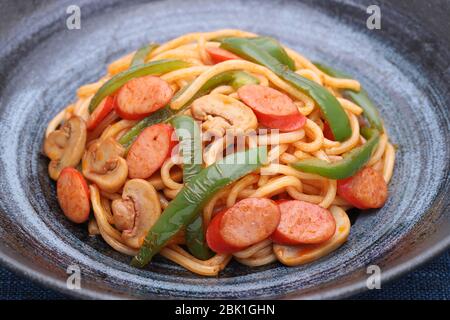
(150, 150)
(103, 109)
(303, 223)
(214, 238)
(218, 55)
(272, 108)
(73, 195)
(327, 133)
(366, 189)
(305, 253)
(249, 221)
(141, 96)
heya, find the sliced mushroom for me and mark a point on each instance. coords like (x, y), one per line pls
(222, 113)
(136, 212)
(65, 146)
(301, 254)
(103, 164)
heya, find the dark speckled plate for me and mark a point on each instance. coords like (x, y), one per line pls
(404, 66)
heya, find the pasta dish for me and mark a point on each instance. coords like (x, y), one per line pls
(216, 146)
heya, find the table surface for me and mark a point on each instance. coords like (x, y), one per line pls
(431, 281)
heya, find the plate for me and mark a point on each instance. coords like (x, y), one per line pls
(43, 63)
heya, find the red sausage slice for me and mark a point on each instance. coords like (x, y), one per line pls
(141, 96)
(272, 108)
(73, 195)
(327, 133)
(214, 238)
(366, 189)
(220, 55)
(150, 150)
(303, 223)
(249, 221)
(103, 109)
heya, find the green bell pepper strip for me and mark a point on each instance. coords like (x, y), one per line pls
(141, 54)
(329, 105)
(189, 134)
(159, 116)
(351, 163)
(234, 78)
(274, 48)
(361, 98)
(271, 46)
(183, 209)
(154, 67)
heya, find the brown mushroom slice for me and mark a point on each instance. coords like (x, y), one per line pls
(103, 164)
(65, 146)
(136, 212)
(222, 113)
(301, 254)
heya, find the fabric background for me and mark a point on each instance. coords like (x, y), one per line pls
(430, 282)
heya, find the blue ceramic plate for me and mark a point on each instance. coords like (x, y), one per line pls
(42, 63)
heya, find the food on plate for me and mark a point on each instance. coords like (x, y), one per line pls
(216, 146)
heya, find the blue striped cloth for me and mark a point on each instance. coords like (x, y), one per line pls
(431, 282)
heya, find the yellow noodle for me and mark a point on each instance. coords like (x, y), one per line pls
(115, 129)
(93, 229)
(330, 194)
(165, 175)
(258, 261)
(250, 251)
(263, 252)
(100, 215)
(379, 150)
(389, 160)
(312, 131)
(157, 181)
(180, 54)
(238, 187)
(121, 64)
(301, 61)
(216, 260)
(305, 108)
(171, 193)
(209, 207)
(223, 90)
(276, 151)
(275, 168)
(189, 263)
(277, 185)
(55, 122)
(309, 74)
(350, 106)
(281, 138)
(351, 142)
(205, 58)
(91, 88)
(184, 73)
